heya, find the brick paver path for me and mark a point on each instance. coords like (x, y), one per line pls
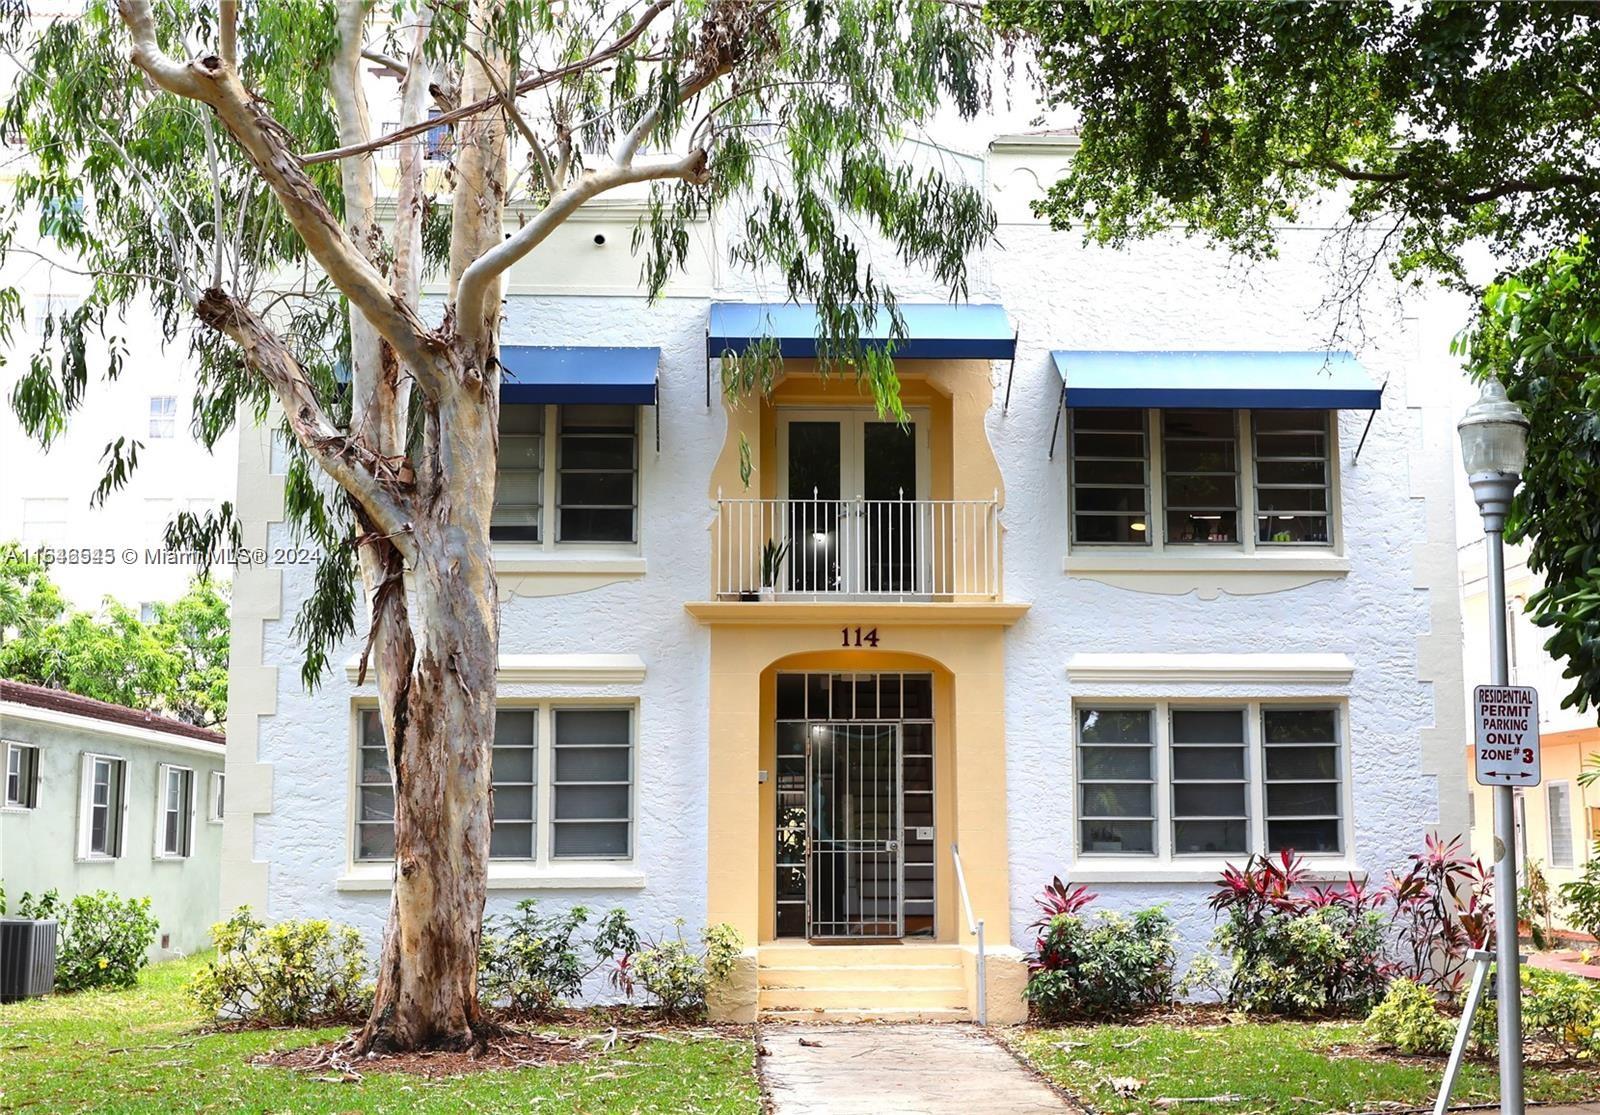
(947, 1069)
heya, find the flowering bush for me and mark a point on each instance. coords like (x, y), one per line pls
(294, 973)
(1410, 1020)
(530, 963)
(1101, 967)
(1442, 908)
(1299, 951)
(102, 940)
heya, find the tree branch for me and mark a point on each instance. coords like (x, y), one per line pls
(228, 33)
(523, 85)
(475, 280)
(406, 274)
(266, 144)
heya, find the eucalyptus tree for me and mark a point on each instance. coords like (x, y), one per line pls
(216, 166)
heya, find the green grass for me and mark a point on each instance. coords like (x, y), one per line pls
(1279, 1067)
(141, 1050)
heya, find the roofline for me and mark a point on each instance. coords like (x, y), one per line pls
(14, 710)
(1024, 141)
(26, 695)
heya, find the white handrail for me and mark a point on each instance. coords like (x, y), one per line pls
(975, 927)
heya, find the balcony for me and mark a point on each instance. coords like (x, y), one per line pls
(857, 549)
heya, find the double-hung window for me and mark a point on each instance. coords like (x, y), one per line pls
(1183, 479)
(175, 812)
(570, 800)
(105, 780)
(1558, 812)
(22, 776)
(163, 416)
(1221, 780)
(578, 486)
(219, 783)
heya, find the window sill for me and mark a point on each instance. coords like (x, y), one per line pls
(532, 557)
(23, 809)
(1231, 571)
(593, 875)
(1134, 869)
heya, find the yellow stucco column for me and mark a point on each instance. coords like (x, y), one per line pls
(733, 798)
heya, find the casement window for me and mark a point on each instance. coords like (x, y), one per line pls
(1168, 779)
(1185, 479)
(174, 812)
(570, 800)
(101, 812)
(1558, 813)
(163, 416)
(22, 776)
(578, 486)
(218, 785)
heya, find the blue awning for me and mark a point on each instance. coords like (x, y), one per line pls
(578, 374)
(1278, 380)
(934, 331)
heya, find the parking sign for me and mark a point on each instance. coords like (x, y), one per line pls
(1506, 749)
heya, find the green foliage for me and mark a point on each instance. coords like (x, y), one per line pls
(101, 939)
(530, 962)
(1409, 1019)
(1535, 904)
(1557, 1008)
(1101, 967)
(1538, 332)
(1319, 960)
(292, 973)
(177, 664)
(675, 976)
(1582, 895)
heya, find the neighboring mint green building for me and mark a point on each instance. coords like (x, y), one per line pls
(101, 797)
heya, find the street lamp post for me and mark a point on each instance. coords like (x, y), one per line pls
(1494, 448)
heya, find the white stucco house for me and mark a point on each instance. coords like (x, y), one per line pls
(1149, 583)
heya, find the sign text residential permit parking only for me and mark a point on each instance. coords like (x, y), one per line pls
(1506, 752)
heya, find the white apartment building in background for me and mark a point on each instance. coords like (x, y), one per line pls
(45, 494)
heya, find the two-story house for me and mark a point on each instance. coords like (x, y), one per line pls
(1147, 582)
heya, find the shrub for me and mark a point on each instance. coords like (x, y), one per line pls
(1102, 967)
(1582, 896)
(1409, 1019)
(293, 973)
(530, 963)
(1442, 908)
(1561, 1009)
(102, 940)
(1299, 951)
(674, 976)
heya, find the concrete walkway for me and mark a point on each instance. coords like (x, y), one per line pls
(896, 1070)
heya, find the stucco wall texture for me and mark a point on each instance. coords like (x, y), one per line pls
(1393, 613)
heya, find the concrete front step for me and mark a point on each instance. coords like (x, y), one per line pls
(833, 956)
(862, 997)
(857, 983)
(869, 1014)
(872, 975)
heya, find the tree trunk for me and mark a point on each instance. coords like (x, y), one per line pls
(439, 719)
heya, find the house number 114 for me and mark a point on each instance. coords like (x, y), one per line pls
(855, 637)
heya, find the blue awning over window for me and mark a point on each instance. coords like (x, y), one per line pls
(578, 374)
(1236, 380)
(934, 331)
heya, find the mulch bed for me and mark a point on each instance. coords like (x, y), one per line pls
(333, 1061)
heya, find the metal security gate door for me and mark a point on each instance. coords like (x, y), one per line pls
(856, 870)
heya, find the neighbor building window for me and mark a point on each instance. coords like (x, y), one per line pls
(105, 780)
(218, 784)
(1200, 454)
(1291, 469)
(578, 486)
(1170, 779)
(163, 416)
(586, 812)
(22, 776)
(175, 813)
(1558, 811)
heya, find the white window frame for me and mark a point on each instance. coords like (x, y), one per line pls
(86, 806)
(164, 775)
(28, 800)
(1255, 770)
(1550, 824)
(1156, 544)
(544, 790)
(167, 413)
(550, 480)
(216, 783)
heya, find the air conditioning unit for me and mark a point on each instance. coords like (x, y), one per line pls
(27, 958)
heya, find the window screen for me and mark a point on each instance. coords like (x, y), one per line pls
(592, 783)
(1291, 458)
(596, 488)
(1116, 781)
(1303, 777)
(519, 479)
(1110, 477)
(1200, 457)
(1209, 781)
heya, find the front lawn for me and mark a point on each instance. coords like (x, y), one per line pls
(1229, 1065)
(141, 1050)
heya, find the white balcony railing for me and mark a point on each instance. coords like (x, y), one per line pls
(889, 549)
